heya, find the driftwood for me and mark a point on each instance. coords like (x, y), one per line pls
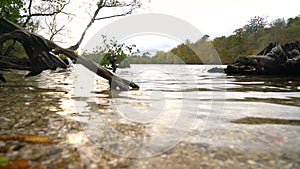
(43, 55)
(275, 59)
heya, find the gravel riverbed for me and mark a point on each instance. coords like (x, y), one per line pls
(38, 130)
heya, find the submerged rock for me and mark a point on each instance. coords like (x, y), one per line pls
(275, 59)
(216, 70)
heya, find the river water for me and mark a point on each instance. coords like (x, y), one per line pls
(175, 103)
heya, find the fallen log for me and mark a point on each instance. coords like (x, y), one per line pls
(43, 55)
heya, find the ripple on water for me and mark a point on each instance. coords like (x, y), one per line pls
(216, 99)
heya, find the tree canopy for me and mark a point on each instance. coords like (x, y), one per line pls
(111, 49)
(248, 40)
(11, 9)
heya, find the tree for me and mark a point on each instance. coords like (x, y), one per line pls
(111, 4)
(10, 9)
(35, 11)
(255, 24)
(43, 54)
(293, 20)
(277, 27)
(205, 38)
(113, 52)
(293, 28)
(244, 41)
(42, 15)
(252, 28)
(30, 13)
(55, 27)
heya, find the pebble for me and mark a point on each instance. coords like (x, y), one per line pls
(94, 166)
(164, 156)
(251, 162)
(2, 144)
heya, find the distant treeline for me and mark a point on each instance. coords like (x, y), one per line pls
(247, 40)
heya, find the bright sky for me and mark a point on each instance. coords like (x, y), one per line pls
(213, 17)
(222, 17)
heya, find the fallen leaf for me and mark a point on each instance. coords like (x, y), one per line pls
(27, 138)
(3, 161)
(17, 164)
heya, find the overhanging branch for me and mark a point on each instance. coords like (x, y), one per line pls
(117, 15)
(43, 54)
(104, 4)
(30, 15)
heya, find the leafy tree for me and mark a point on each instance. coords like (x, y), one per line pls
(255, 24)
(277, 27)
(251, 39)
(10, 9)
(248, 40)
(293, 29)
(111, 49)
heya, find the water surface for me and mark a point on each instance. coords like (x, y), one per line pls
(175, 103)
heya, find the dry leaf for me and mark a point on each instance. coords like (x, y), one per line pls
(17, 164)
(27, 138)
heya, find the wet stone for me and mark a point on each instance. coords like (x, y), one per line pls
(221, 157)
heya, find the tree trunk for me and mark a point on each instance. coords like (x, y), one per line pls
(43, 54)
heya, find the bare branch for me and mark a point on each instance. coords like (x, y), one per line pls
(45, 14)
(29, 14)
(105, 4)
(121, 5)
(41, 13)
(100, 6)
(53, 27)
(113, 16)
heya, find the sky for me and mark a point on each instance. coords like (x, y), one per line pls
(222, 17)
(212, 17)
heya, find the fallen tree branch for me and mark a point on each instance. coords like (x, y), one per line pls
(43, 55)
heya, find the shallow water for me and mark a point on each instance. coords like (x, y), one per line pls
(175, 103)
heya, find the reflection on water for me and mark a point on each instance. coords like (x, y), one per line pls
(174, 100)
(277, 90)
(253, 120)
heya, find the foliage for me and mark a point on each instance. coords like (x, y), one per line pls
(199, 52)
(248, 40)
(255, 24)
(10, 9)
(30, 13)
(110, 49)
(3, 161)
(245, 42)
